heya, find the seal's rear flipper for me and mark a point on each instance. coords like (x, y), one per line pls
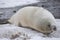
(5, 22)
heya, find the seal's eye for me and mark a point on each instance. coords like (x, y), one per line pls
(49, 26)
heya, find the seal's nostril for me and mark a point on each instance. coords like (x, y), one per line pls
(54, 28)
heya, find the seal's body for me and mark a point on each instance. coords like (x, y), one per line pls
(37, 18)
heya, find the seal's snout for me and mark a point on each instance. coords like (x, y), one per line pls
(54, 29)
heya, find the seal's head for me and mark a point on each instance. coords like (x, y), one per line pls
(46, 26)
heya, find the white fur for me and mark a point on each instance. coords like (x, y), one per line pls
(34, 17)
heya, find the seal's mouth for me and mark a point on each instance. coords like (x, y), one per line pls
(47, 33)
(50, 32)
